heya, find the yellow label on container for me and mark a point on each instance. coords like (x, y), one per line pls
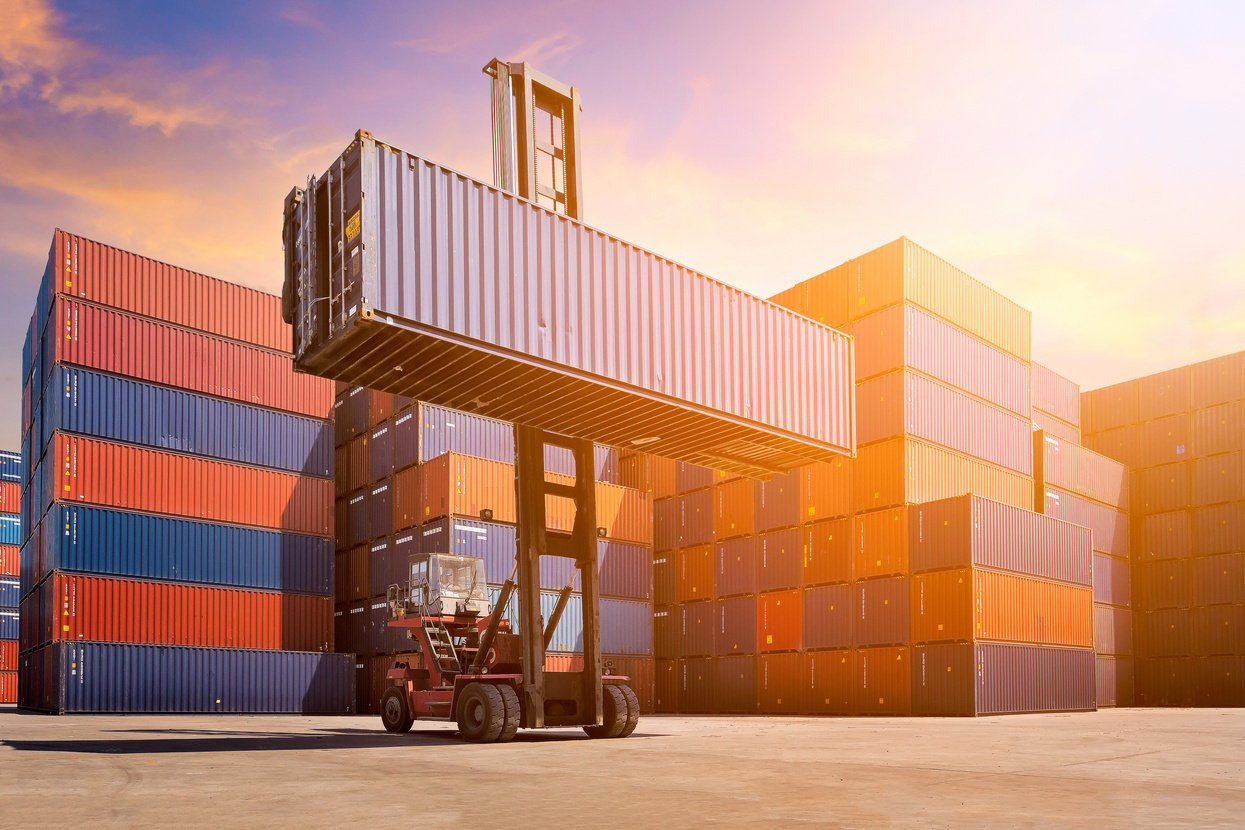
(352, 227)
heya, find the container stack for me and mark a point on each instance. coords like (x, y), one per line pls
(10, 539)
(807, 593)
(415, 478)
(1088, 489)
(1183, 434)
(176, 518)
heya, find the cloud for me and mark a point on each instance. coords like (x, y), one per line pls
(549, 50)
(302, 14)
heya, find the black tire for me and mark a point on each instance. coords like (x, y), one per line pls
(613, 714)
(394, 712)
(513, 712)
(633, 711)
(481, 713)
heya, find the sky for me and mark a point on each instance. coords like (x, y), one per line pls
(1084, 160)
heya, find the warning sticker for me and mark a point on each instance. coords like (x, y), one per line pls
(352, 227)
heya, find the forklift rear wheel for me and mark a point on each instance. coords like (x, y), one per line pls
(481, 713)
(393, 711)
(513, 712)
(613, 714)
(633, 711)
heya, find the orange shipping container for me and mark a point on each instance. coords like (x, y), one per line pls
(1166, 440)
(880, 543)
(1123, 444)
(829, 678)
(780, 620)
(826, 490)
(86, 470)
(909, 471)
(353, 465)
(640, 670)
(1165, 393)
(650, 473)
(883, 681)
(463, 485)
(779, 684)
(625, 513)
(1219, 479)
(10, 497)
(9, 560)
(1160, 489)
(695, 573)
(827, 552)
(1219, 429)
(666, 686)
(1164, 536)
(964, 605)
(359, 571)
(1110, 407)
(1217, 381)
(734, 508)
(407, 505)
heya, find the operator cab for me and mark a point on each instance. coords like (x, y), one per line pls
(441, 585)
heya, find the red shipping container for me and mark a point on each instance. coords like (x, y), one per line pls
(1165, 536)
(1122, 443)
(665, 578)
(880, 611)
(1164, 393)
(880, 543)
(1166, 440)
(1219, 529)
(1081, 471)
(780, 560)
(780, 621)
(1055, 394)
(1220, 680)
(735, 562)
(696, 624)
(696, 679)
(1165, 583)
(1166, 681)
(1114, 682)
(666, 686)
(735, 685)
(825, 490)
(650, 473)
(1166, 633)
(695, 573)
(1219, 630)
(689, 477)
(1113, 630)
(1219, 580)
(8, 687)
(883, 681)
(733, 509)
(1110, 407)
(1217, 381)
(666, 639)
(1219, 429)
(828, 617)
(909, 471)
(827, 552)
(151, 481)
(737, 626)
(1162, 489)
(829, 681)
(8, 655)
(1219, 479)
(121, 344)
(360, 573)
(341, 577)
(779, 684)
(90, 270)
(778, 502)
(104, 609)
(462, 485)
(407, 505)
(9, 560)
(10, 497)
(696, 517)
(666, 525)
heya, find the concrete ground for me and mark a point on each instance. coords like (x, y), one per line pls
(1115, 768)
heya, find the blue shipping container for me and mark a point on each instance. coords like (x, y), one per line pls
(120, 409)
(121, 543)
(10, 528)
(112, 677)
(10, 593)
(380, 450)
(380, 511)
(10, 466)
(626, 627)
(358, 519)
(8, 624)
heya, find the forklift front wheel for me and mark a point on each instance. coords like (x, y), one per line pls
(481, 713)
(613, 714)
(394, 712)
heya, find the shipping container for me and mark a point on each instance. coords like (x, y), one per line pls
(1165, 536)
(638, 670)
(9, 593)
(697, 677)
(666, 525)
(1165, 633)
(1166, 681)
(695, 518)
(690, 477)
(380, 511)
(10, 529)
(695, 623)
(968, 530)
(1001, 679)
(650, 473)
(779, 684)
(381, 569)
(827, 552)
(358, 513)
(1219, 529)
(883, 683)
(829, 679)
(8, 656)
(1113, 630)
(880, 612)
(779, 620)
(666, 635)
(1110, 407)
(380, 453)
(904, 335)
(822, 298)
(656, 364)
(1114, 681)
(353, 465)
(1216, 381)
(1219, 429)
(733, 509)
(828, 617)
(1055, 395)
(909, 471)
(1080, 471)
(962, 605)
(735, 566)
(1049, 424)
(906, 403)
(736, 631)
(10, 624)
(10, 497)
(825, 490)
(780, 560)
(64, 678)
(665, 579)
(695, 573)
(10, 467)
(140, 546)
(1219, 580)
(1221, 680)
(735, 684)
(1122, 443)
(778, 502)
(1163, 394)
(625, 514)
(625, 569)
(9, 560)
(880, 543)
(1219, 479)
(1112, 580)
(105, 474)
(626, 627)
(1166, 440)
(1218, 630)
(1110, 526)
(666, 686)
(1162, 489)
(1166, 583)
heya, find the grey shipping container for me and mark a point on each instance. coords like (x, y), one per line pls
(1001, 678)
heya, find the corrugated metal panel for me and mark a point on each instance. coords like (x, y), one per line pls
(1221, 680)
(651, 473)
(1219, 429)
(735, 566)
(136, 545)
(779, 684)
(1217, 381)
(1166, 440)
(880, 543)
(1122, 444)
(1001, 678)
(9, 560)
(666, 686)
(778, 502)
(1165, 633)
(1113, 630)
(1219, 630)
(780, 560)
(1165, 393)
(883, 681)
(1110, 407)
(10, 529)
(625, 569)
(689, 477)
(1219, 479)
(115, 475)
(1053, 426)
(1114, 681)
(10, 466)
(81, 607)
(666, 526)
(626, 626)
(1112, 580)
(1219, 529)
(695, 623)
(827, 552)
(779, 620)
(829, 678)
(1166, 681)
(736, 626)
(10, 497)
(696, 518)
(880, 612)
(665, 580)
(9, 592)
(1219, 579)
(1110, 526)
(109, 677)
(441, 430)
(964, 531)
(380, 510)
(735, 684)
(8, 656)
(10, 624)
(1161, 489)
(904, 335)
(828, 618)
(695, 573)
(121, 344)
(909, 471)
(1081, 471)
(666, 638)
(733, 509)
(1055, 394)
(1165, 536)
(625, 514)
(695, 684)
(380, 452)
(905, 403)
(542, 315)
(826, 490)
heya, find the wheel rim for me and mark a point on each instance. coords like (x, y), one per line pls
(475, 714)
(393, 709)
